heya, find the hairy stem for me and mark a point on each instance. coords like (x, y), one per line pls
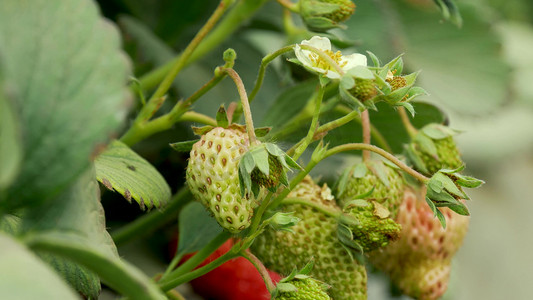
(299, 150)
(289, 5)
(326, 210)
(198, 258)
(385, 154)
(184, 57)
(245, 104)
(171, 283)
(241, 12)
(141, 130)
(260, 267)
(153, 220)
(411, 130)
(365, 123)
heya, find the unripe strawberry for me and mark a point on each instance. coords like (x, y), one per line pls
(321, 15)
(313, 237)
(385, 184)
(447, 157)
(370, 224)
(304, 288)
(213, 178)
(419, 262)
(433, 148)
(364, 89)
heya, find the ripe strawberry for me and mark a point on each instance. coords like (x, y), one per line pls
(314, 237)
(433, 148)
(236, 279)
(213, 177)
(372, 181)
(419, 262)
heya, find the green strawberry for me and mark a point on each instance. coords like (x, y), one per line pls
(364, 89)
(299, 286)
(314, 237)
(433, 148)
(372, 180)
(419, 262)
(345, 11)
(369, 224)
(305, 289)
(213, 178)
(321, 15)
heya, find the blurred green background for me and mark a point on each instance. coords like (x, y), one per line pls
(481, 75)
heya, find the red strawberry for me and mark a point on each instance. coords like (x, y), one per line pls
(236, 279)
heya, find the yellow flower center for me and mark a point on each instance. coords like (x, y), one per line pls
(319, 62)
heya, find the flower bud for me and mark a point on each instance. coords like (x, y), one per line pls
(321, 15)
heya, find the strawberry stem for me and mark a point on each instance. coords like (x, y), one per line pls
(385, 154)
(195, 260)
(245, 104)
(325, 210)
(314, 125)
(260, 267)
(411, 130)
(365, 123)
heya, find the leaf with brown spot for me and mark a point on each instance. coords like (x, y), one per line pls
(121, 169)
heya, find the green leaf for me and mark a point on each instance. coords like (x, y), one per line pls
(262, 131)
(121, 169)
(10, 224)
(197, 228)
(114, 272)
(10, 138)
(184, 146)
(222, 117)
(448, 184)
(71, 88)
(467, 181)
(25, 276)
(78, 211)
(426, 144)
(85, 282)
(441, 218)
(438, 131)
(260, 156)
(360, 72)
(450, 11)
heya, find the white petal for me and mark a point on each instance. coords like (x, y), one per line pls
(353, 60)
(333, 75)
(303, 56)
(319, 42)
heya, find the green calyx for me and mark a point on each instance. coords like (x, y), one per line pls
(299, 286)
(445, 189)
(322, 15)
(393, 87)
(433, 148)
(366, 226)
(264, 165)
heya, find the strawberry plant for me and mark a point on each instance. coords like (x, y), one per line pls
(229, 147)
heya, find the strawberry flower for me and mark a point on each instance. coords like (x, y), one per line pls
(315, 63)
